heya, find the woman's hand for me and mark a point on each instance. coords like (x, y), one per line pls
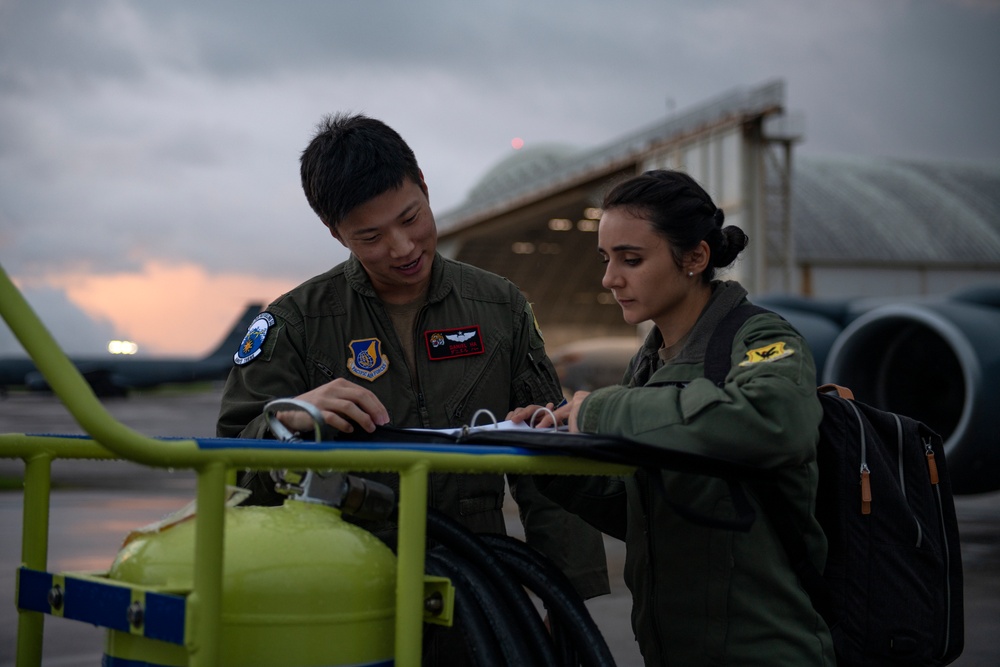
(543, 420)
(565, 413)
(573, 408)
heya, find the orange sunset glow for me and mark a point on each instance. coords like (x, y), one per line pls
(170, 309)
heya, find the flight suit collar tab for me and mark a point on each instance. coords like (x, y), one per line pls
(443, 278)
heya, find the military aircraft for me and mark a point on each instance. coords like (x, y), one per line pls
(116, 375)
(935, 359)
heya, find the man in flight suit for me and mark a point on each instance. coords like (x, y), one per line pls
(398, 334)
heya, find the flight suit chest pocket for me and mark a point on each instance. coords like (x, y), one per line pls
(322, 368)
(477, 380)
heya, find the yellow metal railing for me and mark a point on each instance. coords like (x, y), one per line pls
(109, 439)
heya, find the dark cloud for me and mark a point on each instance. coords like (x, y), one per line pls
(171, 130)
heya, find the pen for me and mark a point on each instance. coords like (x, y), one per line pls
(561, 403)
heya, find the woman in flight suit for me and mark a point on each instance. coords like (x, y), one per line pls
(701, 596)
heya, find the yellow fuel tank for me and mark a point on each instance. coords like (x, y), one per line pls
(301, 588)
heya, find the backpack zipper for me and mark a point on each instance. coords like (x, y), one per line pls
(899, 454)
(866, 486)
(902, 477)
(931, 463)
(946, 551)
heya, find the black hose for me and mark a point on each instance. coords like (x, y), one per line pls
(480, 642)
(452, 537)
(563, 644)
(463, 542)
(549, 583)
(567, 612)
(513, 645)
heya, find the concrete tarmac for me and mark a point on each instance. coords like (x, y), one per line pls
(96, 503)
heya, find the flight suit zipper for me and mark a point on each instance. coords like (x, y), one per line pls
(460, 408)
(648, 503)
(415, 380)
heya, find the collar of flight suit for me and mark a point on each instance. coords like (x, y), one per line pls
(442, 280)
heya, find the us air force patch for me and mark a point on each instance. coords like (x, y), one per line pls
(771, 352)
(367, 361)
(451, 343)
(252, 342)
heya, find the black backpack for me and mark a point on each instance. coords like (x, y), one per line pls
(891, 591)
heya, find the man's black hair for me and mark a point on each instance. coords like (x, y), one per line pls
(350, 160)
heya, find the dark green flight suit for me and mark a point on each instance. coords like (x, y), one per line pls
(477, 346)
(701, 595)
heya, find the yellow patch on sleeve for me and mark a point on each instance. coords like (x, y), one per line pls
(771, 352)
(536, 338)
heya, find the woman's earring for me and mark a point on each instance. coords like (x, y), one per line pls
(690, 273)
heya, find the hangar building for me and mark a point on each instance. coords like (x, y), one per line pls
(818, 227)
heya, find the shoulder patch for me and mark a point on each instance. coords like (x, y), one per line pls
(366, 360)
(250, 347)
(537, 340)
(767, 353)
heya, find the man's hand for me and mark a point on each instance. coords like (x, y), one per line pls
(339, 401)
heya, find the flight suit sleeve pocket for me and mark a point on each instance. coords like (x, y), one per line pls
(534, 386)
(699, 395)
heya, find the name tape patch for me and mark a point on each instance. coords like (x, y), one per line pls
(452, 343)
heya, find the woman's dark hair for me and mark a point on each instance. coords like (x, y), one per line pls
(682, 212)
(350, 160)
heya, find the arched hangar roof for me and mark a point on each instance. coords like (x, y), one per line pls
(861, 210)
(526, 166)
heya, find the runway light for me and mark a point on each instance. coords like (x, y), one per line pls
(517, 143)
(122, 347)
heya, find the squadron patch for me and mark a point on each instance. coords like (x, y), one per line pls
(771, 352)
(366, 360)
(535, 337)
(452, 343)
(250, 347)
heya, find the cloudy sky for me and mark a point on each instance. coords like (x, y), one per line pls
(149, 150)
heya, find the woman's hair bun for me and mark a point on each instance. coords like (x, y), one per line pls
(719, 216)
(732, 242)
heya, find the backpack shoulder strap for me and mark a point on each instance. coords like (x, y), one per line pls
(718, 361)
(718, 354)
